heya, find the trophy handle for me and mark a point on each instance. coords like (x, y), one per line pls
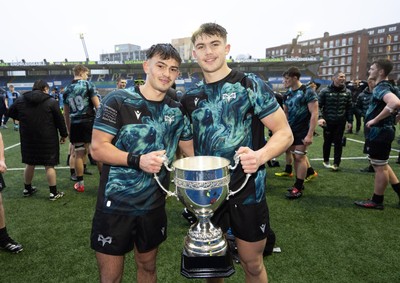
(165, 162)
(236, 157)
(232, 193)
(169, 193)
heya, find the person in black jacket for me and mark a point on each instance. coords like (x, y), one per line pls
(41, 121)
(362, 104)
(3, 106)
(335, 109)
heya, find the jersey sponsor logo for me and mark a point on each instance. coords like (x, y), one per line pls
(169, 119)
(138, 114)
(229, 96)
(196, 100)
(104, 240)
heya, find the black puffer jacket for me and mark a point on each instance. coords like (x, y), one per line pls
(335, 104)
(40, 121)
(363, 102)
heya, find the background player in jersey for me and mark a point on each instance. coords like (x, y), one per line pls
(301, 108)
(380, 132)
(229, 111)
(134, 128)
(80, 102)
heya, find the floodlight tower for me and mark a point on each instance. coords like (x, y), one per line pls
(84, 46)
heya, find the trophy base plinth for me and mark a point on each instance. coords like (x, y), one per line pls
(207, 266)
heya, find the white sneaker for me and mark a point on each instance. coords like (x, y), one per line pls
(56, 196)
(327, 165)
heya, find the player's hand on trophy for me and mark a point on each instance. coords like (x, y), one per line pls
(152, 162)
(248, 159)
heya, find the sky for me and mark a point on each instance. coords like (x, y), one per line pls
(44, 29)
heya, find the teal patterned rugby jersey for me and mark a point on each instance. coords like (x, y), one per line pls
(139, 126)
(296, 102)
(225, 115)
(384, 130)
(78, 96)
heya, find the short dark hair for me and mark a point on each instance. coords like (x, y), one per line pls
(385, 64)
(165, 50)
(209, 29)
(40, 85)
(292, 72)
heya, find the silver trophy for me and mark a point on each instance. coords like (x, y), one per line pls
(202, 185)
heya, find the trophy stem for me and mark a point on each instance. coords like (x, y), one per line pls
(205, 253)
(203, 238)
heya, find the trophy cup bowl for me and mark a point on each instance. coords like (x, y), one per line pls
(202, 185)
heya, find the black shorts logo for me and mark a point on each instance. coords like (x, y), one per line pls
(104, 240)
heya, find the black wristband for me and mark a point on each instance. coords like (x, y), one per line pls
(134, 160)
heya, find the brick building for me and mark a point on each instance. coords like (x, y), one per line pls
(351, 52)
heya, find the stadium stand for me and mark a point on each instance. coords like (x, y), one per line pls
(59, 74)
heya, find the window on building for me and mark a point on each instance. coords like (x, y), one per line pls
(337, 51)
(381, 30)
(325, 45)
(337, 42)
(380, 49)
(376, 40)
(343, 61)
(343, 51)
(331, 44)
(349, 60)
(344, 40)
(395, 47)
(395, 37)
(370, 41)
(330, 53)
(381, 40)
(348, 69)
(325, 53)
(350, 41)
(394, 58)
(371, 32)
(392, 28)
